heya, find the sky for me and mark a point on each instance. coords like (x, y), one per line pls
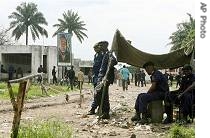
(147, 23)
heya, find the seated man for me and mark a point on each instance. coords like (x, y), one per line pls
(156, 92)
(184, 96)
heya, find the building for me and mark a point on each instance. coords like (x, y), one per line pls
(30, 57)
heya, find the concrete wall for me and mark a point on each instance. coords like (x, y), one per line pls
(37, 52)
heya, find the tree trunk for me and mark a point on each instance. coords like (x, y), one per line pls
(27, 35)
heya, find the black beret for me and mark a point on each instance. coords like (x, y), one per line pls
(103, 43)
(149, 63)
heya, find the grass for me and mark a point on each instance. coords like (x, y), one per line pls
(45, 129)
(177, 131)
(34, 91)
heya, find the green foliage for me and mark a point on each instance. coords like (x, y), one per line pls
(34, 91)
(5, 94)
(45, 129)
(184, 36)
(3, 86)
(27, 17)
(181, 132)
(72, 23)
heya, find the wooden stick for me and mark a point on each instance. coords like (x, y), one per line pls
(80, 92)
(18, 109)
(25, 78)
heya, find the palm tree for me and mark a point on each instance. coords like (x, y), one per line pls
(184, 36)
(72, 24)
(27, 15)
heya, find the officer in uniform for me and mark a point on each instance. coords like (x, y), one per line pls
(108, 62)
(156, 92)
(98, 57)
(184, 96)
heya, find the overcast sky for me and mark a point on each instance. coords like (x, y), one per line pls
(147, 23)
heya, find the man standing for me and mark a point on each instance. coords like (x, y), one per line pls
(105, 77)
(125, 76)
(143, 81)
(71, 76)
(11, 70)
(98, 57)
(54, 75)
(80, 77)
(156, 92)
(40, 70)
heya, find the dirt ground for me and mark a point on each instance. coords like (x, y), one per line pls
(118, 126)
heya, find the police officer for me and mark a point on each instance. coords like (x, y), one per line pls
(184, 96)
(108, 63)
(156, 92)
(98, 57)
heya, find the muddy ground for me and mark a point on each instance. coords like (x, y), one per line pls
(118, 126)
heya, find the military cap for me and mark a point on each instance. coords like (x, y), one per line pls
(96, 45)
(103, 43)
(149, 63)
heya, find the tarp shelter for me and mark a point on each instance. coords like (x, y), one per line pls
(126, 53)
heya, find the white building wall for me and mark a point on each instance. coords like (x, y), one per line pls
(37, 52)
(35, 59)
(51, 61)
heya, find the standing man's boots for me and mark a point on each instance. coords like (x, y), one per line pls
(136, 117)
(144, 119)
(105, 116)
(91, 112)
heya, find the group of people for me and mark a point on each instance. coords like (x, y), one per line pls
(159, 90)
(140, 78)
(11, 71)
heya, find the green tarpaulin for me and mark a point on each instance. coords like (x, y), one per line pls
(126, 53)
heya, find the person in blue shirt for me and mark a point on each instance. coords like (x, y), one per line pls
(106, 73)
(125, 76)
(156, 92)
(98, 57)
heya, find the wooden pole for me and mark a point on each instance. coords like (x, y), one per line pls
(24, 84)
(17, 106)
(80, 91)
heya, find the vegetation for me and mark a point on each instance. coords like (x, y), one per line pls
(27, 16)
(34, 91)
(45, 129)
(4, 37)
(184, 36)
(71, 22)
(181, 132)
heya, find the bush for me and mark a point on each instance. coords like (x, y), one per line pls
(181, 132)
(45, 129)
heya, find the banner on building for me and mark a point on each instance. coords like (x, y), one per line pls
(64, 49)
